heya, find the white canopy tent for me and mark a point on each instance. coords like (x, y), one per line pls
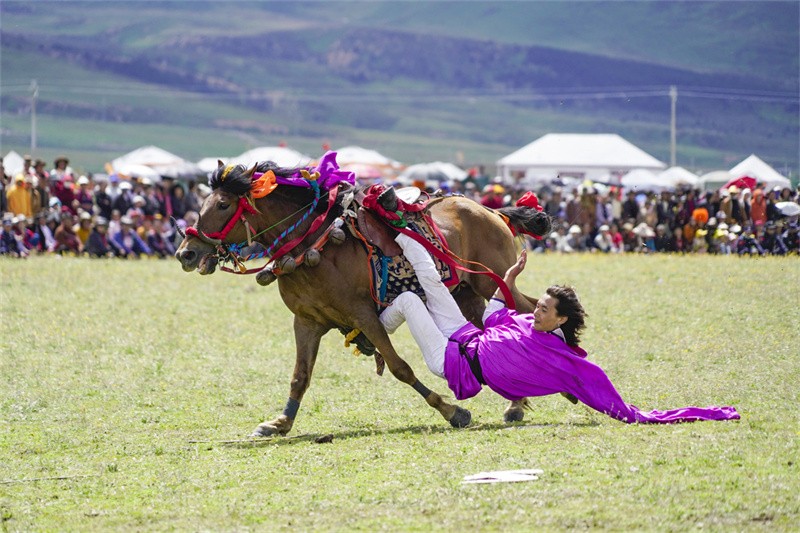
(754, 167)
(350, 155)
(280, 155)
(641, 179)
(162, 162)
(438, 171)
(578, 155)
(714, 180)
(13, 163)
(679, 176)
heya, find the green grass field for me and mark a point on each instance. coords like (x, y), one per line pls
(110, 370)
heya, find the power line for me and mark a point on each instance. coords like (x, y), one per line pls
(550, 94)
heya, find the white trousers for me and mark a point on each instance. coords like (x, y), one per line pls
(432, 324)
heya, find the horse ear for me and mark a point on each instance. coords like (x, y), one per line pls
(252, 171)
(220, 164)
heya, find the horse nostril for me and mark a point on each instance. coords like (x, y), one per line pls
(188, 256)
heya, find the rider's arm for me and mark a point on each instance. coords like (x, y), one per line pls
(510, 279)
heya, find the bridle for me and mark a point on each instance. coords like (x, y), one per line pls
(232, 252)
(217, 238)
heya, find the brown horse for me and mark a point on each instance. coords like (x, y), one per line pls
(336, 293)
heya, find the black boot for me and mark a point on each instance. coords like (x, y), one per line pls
(388, 199)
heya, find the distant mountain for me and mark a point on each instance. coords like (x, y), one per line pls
(460, 81)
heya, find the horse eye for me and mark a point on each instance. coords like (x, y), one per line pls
(222, 206)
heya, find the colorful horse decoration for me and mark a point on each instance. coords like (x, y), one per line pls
(289, 216)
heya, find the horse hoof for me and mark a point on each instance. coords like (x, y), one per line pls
(513, 415)
(264, 430)
(461, 418)
(570, 397)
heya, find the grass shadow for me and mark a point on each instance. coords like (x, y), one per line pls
(322, 438)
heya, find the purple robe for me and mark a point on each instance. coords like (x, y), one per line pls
(518, 361)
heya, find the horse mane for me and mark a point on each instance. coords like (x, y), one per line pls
(236, 179)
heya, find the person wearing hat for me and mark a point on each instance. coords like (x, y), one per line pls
(575, 241)
(99, 245)
(124, 200)
(19, 197)
(630, 207)
(721, 241)
(84, 227)
(63, 190)
(772, 241)
(85, 194)
(758, 208)
(158, 239)
(42, 175)
(603, 241)
(102, 198)
(28, 239)
(47, 242)
(66, 239)
(128, 241)
(60, 169)
(9, 244)
(493, 196)
(737, 206)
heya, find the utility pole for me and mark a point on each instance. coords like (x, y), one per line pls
(673, 95)
(35, 89)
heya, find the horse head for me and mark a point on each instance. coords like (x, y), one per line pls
(222, 219)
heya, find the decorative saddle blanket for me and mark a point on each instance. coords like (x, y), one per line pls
(394, 275)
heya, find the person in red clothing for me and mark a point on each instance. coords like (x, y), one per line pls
(758, 208)
(493, 197)
(66, 239)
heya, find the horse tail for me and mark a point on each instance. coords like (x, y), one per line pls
(526, 220)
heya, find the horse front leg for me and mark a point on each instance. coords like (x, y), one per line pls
(373, 329)
(307, 336)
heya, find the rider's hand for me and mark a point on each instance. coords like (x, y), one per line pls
(516, 268)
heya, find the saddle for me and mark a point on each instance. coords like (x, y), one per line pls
(375, 227)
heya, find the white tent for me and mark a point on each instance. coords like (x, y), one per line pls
(578, 155)
(280, 155)
(678, 176)
(13, 163)
(762, 172)
(162, 162)
(641, 179)
(349, 155)
(210, 164)
(438, 171)
(715, 179)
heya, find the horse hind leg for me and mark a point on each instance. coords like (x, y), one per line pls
(457, 416)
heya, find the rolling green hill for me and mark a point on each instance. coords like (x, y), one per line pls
(461, 81)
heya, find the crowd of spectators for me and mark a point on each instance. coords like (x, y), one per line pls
(599, 218)
(113, 216)
(60, 212)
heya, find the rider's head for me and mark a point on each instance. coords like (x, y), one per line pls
(559, 307)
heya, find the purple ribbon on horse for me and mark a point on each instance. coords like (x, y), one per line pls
(329, 174)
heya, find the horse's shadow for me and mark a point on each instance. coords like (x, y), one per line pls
(322, 438)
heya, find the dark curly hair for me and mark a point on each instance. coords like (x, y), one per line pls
(569, 306)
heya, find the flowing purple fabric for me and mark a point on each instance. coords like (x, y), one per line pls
(329, 174)
(518, 361)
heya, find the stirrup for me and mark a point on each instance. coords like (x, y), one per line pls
(388, 199)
